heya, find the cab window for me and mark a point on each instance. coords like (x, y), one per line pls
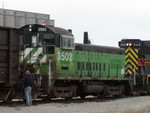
(67, 42)
(35, 40)
(48, 39)
(30, 40)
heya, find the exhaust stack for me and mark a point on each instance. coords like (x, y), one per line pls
(86, 38)
(70, 30)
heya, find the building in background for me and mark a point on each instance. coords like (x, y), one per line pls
(17, 19)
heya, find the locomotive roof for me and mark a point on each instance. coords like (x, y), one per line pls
(97, 48)
(58, 30)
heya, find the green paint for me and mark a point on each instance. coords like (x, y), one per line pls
(31, 53)
(75, 65)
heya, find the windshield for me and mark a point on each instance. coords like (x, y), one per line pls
(48, 39)
(36, 39)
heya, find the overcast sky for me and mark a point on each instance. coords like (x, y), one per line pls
(107, 21)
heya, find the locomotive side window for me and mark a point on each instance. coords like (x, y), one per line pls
(67, 42)
(48, 39)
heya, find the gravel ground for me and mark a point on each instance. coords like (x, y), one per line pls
(123, 105)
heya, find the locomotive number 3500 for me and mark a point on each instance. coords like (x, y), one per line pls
(64, 56)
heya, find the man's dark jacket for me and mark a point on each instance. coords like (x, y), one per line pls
(28, 81)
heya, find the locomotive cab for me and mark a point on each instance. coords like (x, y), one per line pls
(38, 43)
(47, 37)
(33, 36)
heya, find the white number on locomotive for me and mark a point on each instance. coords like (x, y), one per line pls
(42, 29)
(64, 56)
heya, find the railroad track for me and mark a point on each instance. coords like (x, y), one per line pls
(16, 103)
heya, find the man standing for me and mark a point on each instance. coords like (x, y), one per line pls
(28, 82)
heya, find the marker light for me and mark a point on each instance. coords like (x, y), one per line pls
(130, 44)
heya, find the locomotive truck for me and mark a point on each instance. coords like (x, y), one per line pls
(60, 67)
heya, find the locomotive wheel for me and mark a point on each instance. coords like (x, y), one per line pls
(46, 98)
(82, 96)
(68, 98)
(8, 101)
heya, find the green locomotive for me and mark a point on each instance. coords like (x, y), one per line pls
(63, 68)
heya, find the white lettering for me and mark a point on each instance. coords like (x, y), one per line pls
(64, 56)
(42, 29)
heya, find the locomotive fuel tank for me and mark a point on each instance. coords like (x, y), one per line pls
(93, 89)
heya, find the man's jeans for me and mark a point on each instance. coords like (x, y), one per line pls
(28, 95)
